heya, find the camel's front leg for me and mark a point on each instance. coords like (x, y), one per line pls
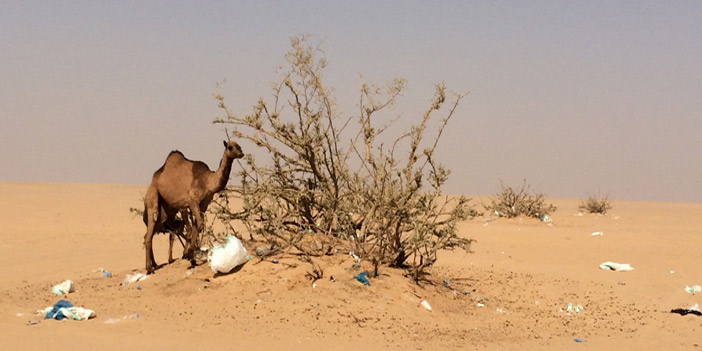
(188, 227)
(171, 239)
(195, 230)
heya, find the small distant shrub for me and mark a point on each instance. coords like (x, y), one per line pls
(511, 202)
(595, 204)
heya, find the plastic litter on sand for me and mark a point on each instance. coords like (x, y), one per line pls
(134, 277)
(112, 320)
(617, 267)
(574, 309)
(361, 277)
(225, 259)
(426, 305)
(693, 289)
(65, 310)
(63, 288)
(105, 273)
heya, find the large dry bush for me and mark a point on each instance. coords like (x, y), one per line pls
(336, 180)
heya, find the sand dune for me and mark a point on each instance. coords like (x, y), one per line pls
(512, 293)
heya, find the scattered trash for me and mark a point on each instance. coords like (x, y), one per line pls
(138, 287)
(224, 259)
(314, 285)
(597, 234)
(275, 261)
(356, 259)
(672, 271)
(333, 280)
(361, 277)
(500, 310)
(111, 320)
(693, 289)
(104, 272)
(63, 288)
(546, 219)
(64, 309)
(480, 304)
(426, 305)
(578, 340)
(694, 309)
(446, 282)
(618, 267)
(189, 272)
(574, 309)
(33, 322)
(134, 277)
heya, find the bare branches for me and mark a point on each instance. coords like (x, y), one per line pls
(381, 209)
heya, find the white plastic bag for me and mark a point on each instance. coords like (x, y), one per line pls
(79, 313)
(224, 259)
(63, 288)
(617, 267)
(134, 277)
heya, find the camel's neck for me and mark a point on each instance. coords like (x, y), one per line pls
(221, 176)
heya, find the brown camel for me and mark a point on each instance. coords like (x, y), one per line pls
(184, 184)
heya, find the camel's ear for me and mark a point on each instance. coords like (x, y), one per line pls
(225, 143)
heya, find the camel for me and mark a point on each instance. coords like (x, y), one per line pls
(182, 184)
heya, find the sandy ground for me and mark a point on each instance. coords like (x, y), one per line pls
(510, 294)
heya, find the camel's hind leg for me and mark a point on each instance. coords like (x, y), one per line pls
(152, 211)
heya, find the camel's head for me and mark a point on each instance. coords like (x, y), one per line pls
(233, 150)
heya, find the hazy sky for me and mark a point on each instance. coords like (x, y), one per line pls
(575, 96)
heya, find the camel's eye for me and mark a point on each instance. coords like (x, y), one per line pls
(229, 148)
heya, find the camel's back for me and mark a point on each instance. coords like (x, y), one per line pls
(175, 180)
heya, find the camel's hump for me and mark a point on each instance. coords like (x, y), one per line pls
(176, 152)
(177, 155)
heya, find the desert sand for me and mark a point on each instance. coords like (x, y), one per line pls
(511, 293)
